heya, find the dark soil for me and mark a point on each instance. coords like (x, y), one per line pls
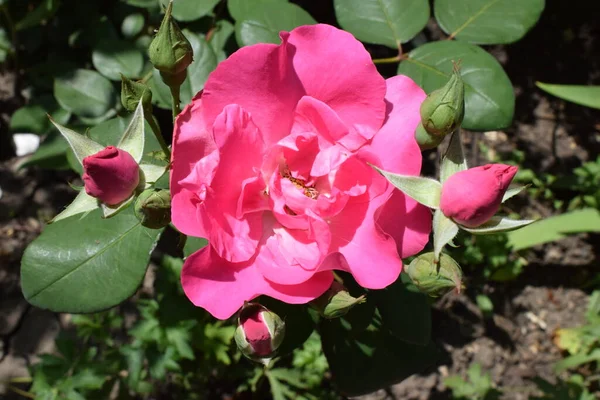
(516, 343)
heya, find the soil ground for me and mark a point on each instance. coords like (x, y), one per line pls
(516, 343)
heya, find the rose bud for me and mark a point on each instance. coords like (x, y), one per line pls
(435, 279)
(170, 52)
(336, 301)
(442, 111)
(153, 208)
(111, 175)
(471, 197)
(259, 332)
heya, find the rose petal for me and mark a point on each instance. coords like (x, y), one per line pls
(260, 79)
(222, 287)
(336, 69)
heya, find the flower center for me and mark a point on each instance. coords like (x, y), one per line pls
(308, 190)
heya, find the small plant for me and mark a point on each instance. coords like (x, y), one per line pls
(477, 386)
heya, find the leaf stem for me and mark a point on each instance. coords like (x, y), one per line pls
(176, 100)
(21, 392)
(388, 60)
(156, 130)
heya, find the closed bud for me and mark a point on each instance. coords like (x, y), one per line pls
(132, 92)
(336, 301)
(111, 175)
(426, 140)
(471, 197)
(259, 332)
(443, 110)
(435, 278)
(153, 208)
(170, 52)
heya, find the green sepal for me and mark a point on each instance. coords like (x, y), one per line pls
(498, 224)
(444, 230)
(453, 160)
(423, 190)
(132, 140)
(82, 203)
(82, 146)
(435, 278)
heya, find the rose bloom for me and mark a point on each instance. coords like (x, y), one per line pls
(271, 165)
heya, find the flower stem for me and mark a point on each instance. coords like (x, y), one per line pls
(156, 130)
(388, 60)
(176, 100)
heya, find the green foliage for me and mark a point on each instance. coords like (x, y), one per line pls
(262, 22)
(77, 261)
(572, 388)
(387, 22)
(477, 386)
(588, 96)
(488, 21)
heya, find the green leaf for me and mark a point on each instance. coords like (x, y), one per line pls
(444, 230)
(132, 25)
(152, 172)
(423, 190)
(555, 228)
(135, 360)
(405, 311)
(220, 36)
(453, 160)
(85, 93)
(34, 116)
(191, 10)
(109, 211)
(485, 305)
(193, 244)
(132, 140)
(588, 96)
(41, 13)
(82, 146)
(489, 96)
(488, 21)
(115, 57)
(87, 264)
(263, 22)
(363, 362)
(82, 203)
(240, 8)
(387, 22)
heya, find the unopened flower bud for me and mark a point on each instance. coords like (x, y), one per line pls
(443, 110)
(471, 197)
(111, 175)
(259, 332)
(435, 279)
(336, 301)
(426, 140)
(153, 208)
(170, 52)
(132, 92)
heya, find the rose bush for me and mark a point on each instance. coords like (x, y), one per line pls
(271, 164)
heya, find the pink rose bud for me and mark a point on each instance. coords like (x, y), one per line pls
(473, 196)
(259, 332)
(111, 175)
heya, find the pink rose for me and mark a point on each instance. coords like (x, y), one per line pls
(473, 196)
(270, 164)
(111, 175)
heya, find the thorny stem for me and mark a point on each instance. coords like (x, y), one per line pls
(156, 130)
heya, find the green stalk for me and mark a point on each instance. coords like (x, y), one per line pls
(156, 130)
(176, 100)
